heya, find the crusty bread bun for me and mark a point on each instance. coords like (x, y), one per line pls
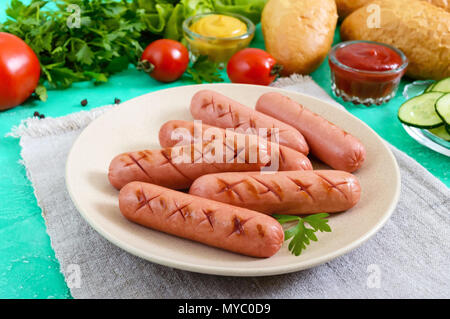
(299, 33)
(444, 4)
(345, 7)
(419, 29)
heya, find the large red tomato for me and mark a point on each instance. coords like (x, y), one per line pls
(165, 60)
(252, 66)
(19, 71)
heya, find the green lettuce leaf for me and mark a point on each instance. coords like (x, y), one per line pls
(248, 8)
(174, 28)
(194, 7)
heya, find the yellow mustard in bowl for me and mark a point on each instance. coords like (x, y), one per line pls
(219, 26)
(217, 36)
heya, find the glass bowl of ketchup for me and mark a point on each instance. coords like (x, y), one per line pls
(366, 72)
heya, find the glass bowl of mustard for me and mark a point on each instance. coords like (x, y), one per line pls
(217, 35)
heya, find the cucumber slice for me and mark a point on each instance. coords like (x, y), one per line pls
(442, 86)
(443, 108)
(429, 88)
(420, 111)
(441, 132)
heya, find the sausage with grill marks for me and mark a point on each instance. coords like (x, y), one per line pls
(212, 223)
(298, 192)
(218, 110)
(178, 132)
(328, 142)
(191, 161)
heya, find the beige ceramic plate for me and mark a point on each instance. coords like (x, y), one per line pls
(134, 125)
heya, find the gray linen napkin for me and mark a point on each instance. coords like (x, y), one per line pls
(408, 258)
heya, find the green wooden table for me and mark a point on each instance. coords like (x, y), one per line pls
(28, 267)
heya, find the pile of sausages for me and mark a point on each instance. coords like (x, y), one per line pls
(232, 193)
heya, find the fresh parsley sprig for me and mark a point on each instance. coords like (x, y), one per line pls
(204, 70)
(103, 37)
(301, 234)
(105, 40)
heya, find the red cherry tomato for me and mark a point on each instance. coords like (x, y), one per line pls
(19, 71)
(165, 60)
(252, 66)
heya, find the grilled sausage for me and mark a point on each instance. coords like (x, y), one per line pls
(177, 132)
(218, 110)
(298, 192)
(328, 142)
(178, 167)
(212, 223)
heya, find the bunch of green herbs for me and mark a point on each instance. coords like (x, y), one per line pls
(89, 40)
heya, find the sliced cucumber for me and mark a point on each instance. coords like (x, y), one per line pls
(429, 88)
(443, 108)
(441, 132)
(420, 111)
(442, 86)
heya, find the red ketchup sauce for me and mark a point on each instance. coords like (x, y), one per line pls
(366, 72)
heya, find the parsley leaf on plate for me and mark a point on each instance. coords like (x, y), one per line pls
(301, 234)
